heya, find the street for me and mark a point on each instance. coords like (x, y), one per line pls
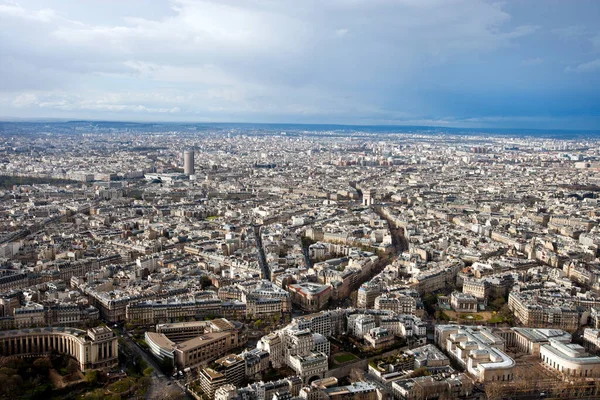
(162, 387)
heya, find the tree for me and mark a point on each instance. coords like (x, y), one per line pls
(42, 366)
(148, 371)
(72, 366)
(498, 303)
(356, 375)
(429, 301)
(493, 390)
(166, 365)
(419, 372)
(91, 376)
(205, 282)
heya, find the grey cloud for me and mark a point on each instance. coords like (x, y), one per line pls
(242, 57)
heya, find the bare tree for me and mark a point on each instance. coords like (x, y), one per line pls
(494, 391)
(356, 375)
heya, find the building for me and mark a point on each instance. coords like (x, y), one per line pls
(530, 340)
(360, 324)
(182, 331)
(31, 315)
(94, 349)
(226, 392)
(478, 288)
(229, 370)
(429, 356)
(9, 302)
(318, 323)
(462, 302)
(263, 307)
(368, 197)
(367, 293)
(273, 344)
(310, 296)
(327, 323)
(71, 314)
(591, 338)
(478, 350)
(257, 361)
(172, 309)
(570, 359)
(396, 302)
(188, 162)
(355, 391)
(310, 367)
(487, 287)
(322, 345)
(531, 311)
(433, 279)
(379, 338)
(297, 341)
(427, 387)
(192, 344)
(266, 390)
(160, 345)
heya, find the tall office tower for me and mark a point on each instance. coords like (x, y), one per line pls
(188, 162)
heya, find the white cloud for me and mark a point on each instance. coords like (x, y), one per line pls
(571, 32)
(341, 32)
(205, 74)
(25, 100)
(532, 61)
(596, 41)
(590, 66)
(242, 57)
(16, 11)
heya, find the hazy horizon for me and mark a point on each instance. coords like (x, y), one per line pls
(464, 64)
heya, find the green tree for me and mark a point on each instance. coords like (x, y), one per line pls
(205, 282)
(42, 366)
(429, 301)
(72, 366)
(498, 303)
(97, 394)
(91, 376)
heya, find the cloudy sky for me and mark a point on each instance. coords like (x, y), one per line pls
(466, 63)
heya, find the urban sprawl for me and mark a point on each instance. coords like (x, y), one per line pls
(255, 263)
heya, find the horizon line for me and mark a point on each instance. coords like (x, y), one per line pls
(73, 120)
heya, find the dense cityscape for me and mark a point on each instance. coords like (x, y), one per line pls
(215, 261)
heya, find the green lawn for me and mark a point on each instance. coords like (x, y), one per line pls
(497, 319)
(344, 358)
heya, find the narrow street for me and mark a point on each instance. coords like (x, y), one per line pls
(398, 239)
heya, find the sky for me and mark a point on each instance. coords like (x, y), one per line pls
(463, 63)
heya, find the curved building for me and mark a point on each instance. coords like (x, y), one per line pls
(570, 359)
(96, 348)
